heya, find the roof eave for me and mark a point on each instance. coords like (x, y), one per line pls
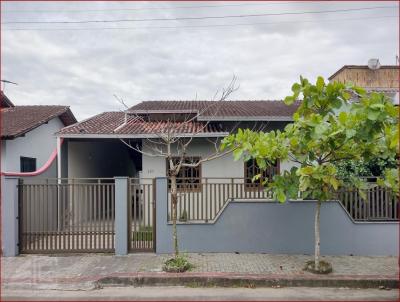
(161, 111)
(139, 135)
(246, 118)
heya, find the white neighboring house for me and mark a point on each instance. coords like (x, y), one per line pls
(27, 136)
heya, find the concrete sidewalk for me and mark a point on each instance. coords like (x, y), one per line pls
(90, 271)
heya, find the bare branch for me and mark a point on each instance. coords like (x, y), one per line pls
(121, 101)
(208, 158)
(141, 151)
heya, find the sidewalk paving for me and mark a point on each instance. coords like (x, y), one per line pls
(89, 271)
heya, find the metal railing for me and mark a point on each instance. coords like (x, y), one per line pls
(201, 200)
(66, 215)
(379, 204)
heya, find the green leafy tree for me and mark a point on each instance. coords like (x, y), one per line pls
(328, 129)
(374, 167)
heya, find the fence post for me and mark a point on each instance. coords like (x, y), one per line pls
(121, 215)
(9, 219)
(163, 238)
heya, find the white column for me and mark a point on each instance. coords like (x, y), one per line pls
(59, 157)
(58, 182)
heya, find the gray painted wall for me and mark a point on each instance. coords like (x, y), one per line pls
(271, 227)
(9, 214)
(38, 143)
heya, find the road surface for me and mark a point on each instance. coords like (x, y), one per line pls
(204, 294)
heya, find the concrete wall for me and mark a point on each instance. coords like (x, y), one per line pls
(95, 158)
(38, 143)
(9, 214)
(223, 167)
(271, 227)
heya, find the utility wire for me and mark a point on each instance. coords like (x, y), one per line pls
(196, 26)
(148, 8)
(201, 18)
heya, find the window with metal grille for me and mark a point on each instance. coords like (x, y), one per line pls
(27, 164)
(251, 169)
(188, 178)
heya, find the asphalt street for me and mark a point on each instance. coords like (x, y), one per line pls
(204, 294)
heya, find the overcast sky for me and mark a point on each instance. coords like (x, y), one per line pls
(83, 65)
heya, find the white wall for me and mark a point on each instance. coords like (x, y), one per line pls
(224, 167)
(38, 143)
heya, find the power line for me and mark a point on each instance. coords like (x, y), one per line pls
(201, 18)
(196, 26)
(149, 8)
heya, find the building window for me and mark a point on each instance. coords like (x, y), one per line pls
(27, 164)
(189, 178)
(251, 169)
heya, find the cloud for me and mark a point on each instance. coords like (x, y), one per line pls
(85, 68)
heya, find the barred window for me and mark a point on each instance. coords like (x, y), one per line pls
(188, 178)
(251, 169)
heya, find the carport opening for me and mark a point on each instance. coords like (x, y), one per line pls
(100, 158)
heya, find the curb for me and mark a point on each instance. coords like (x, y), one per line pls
(228, 280)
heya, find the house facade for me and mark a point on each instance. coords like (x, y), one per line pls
(94, 147)
(114, 195)
(27, 136)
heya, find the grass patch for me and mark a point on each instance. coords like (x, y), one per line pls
(324, 267)
(143, 234)
(178, 264)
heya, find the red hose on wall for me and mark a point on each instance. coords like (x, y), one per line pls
(45, 167)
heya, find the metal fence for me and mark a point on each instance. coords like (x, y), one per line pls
(142, 215)
(379, 204)
(66, 215)
(201, 200)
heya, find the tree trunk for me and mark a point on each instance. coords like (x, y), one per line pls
(174, 201)
(317, 237)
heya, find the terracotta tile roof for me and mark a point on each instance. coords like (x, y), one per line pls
(113, 123)
(18, 120)
(103, 123)
(219, 110)
(138, 127)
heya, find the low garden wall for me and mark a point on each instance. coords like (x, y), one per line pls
(271, 227)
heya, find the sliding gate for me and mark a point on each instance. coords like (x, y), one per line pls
(141, 215)
(66, 215)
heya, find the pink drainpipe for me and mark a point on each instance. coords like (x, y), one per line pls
(52, 157)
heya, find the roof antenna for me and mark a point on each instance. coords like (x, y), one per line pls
(7, 82)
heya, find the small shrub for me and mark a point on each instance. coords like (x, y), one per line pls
(178, 264)
(184, 216)
(324, 267)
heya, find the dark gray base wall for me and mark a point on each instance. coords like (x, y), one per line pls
(267, 227)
